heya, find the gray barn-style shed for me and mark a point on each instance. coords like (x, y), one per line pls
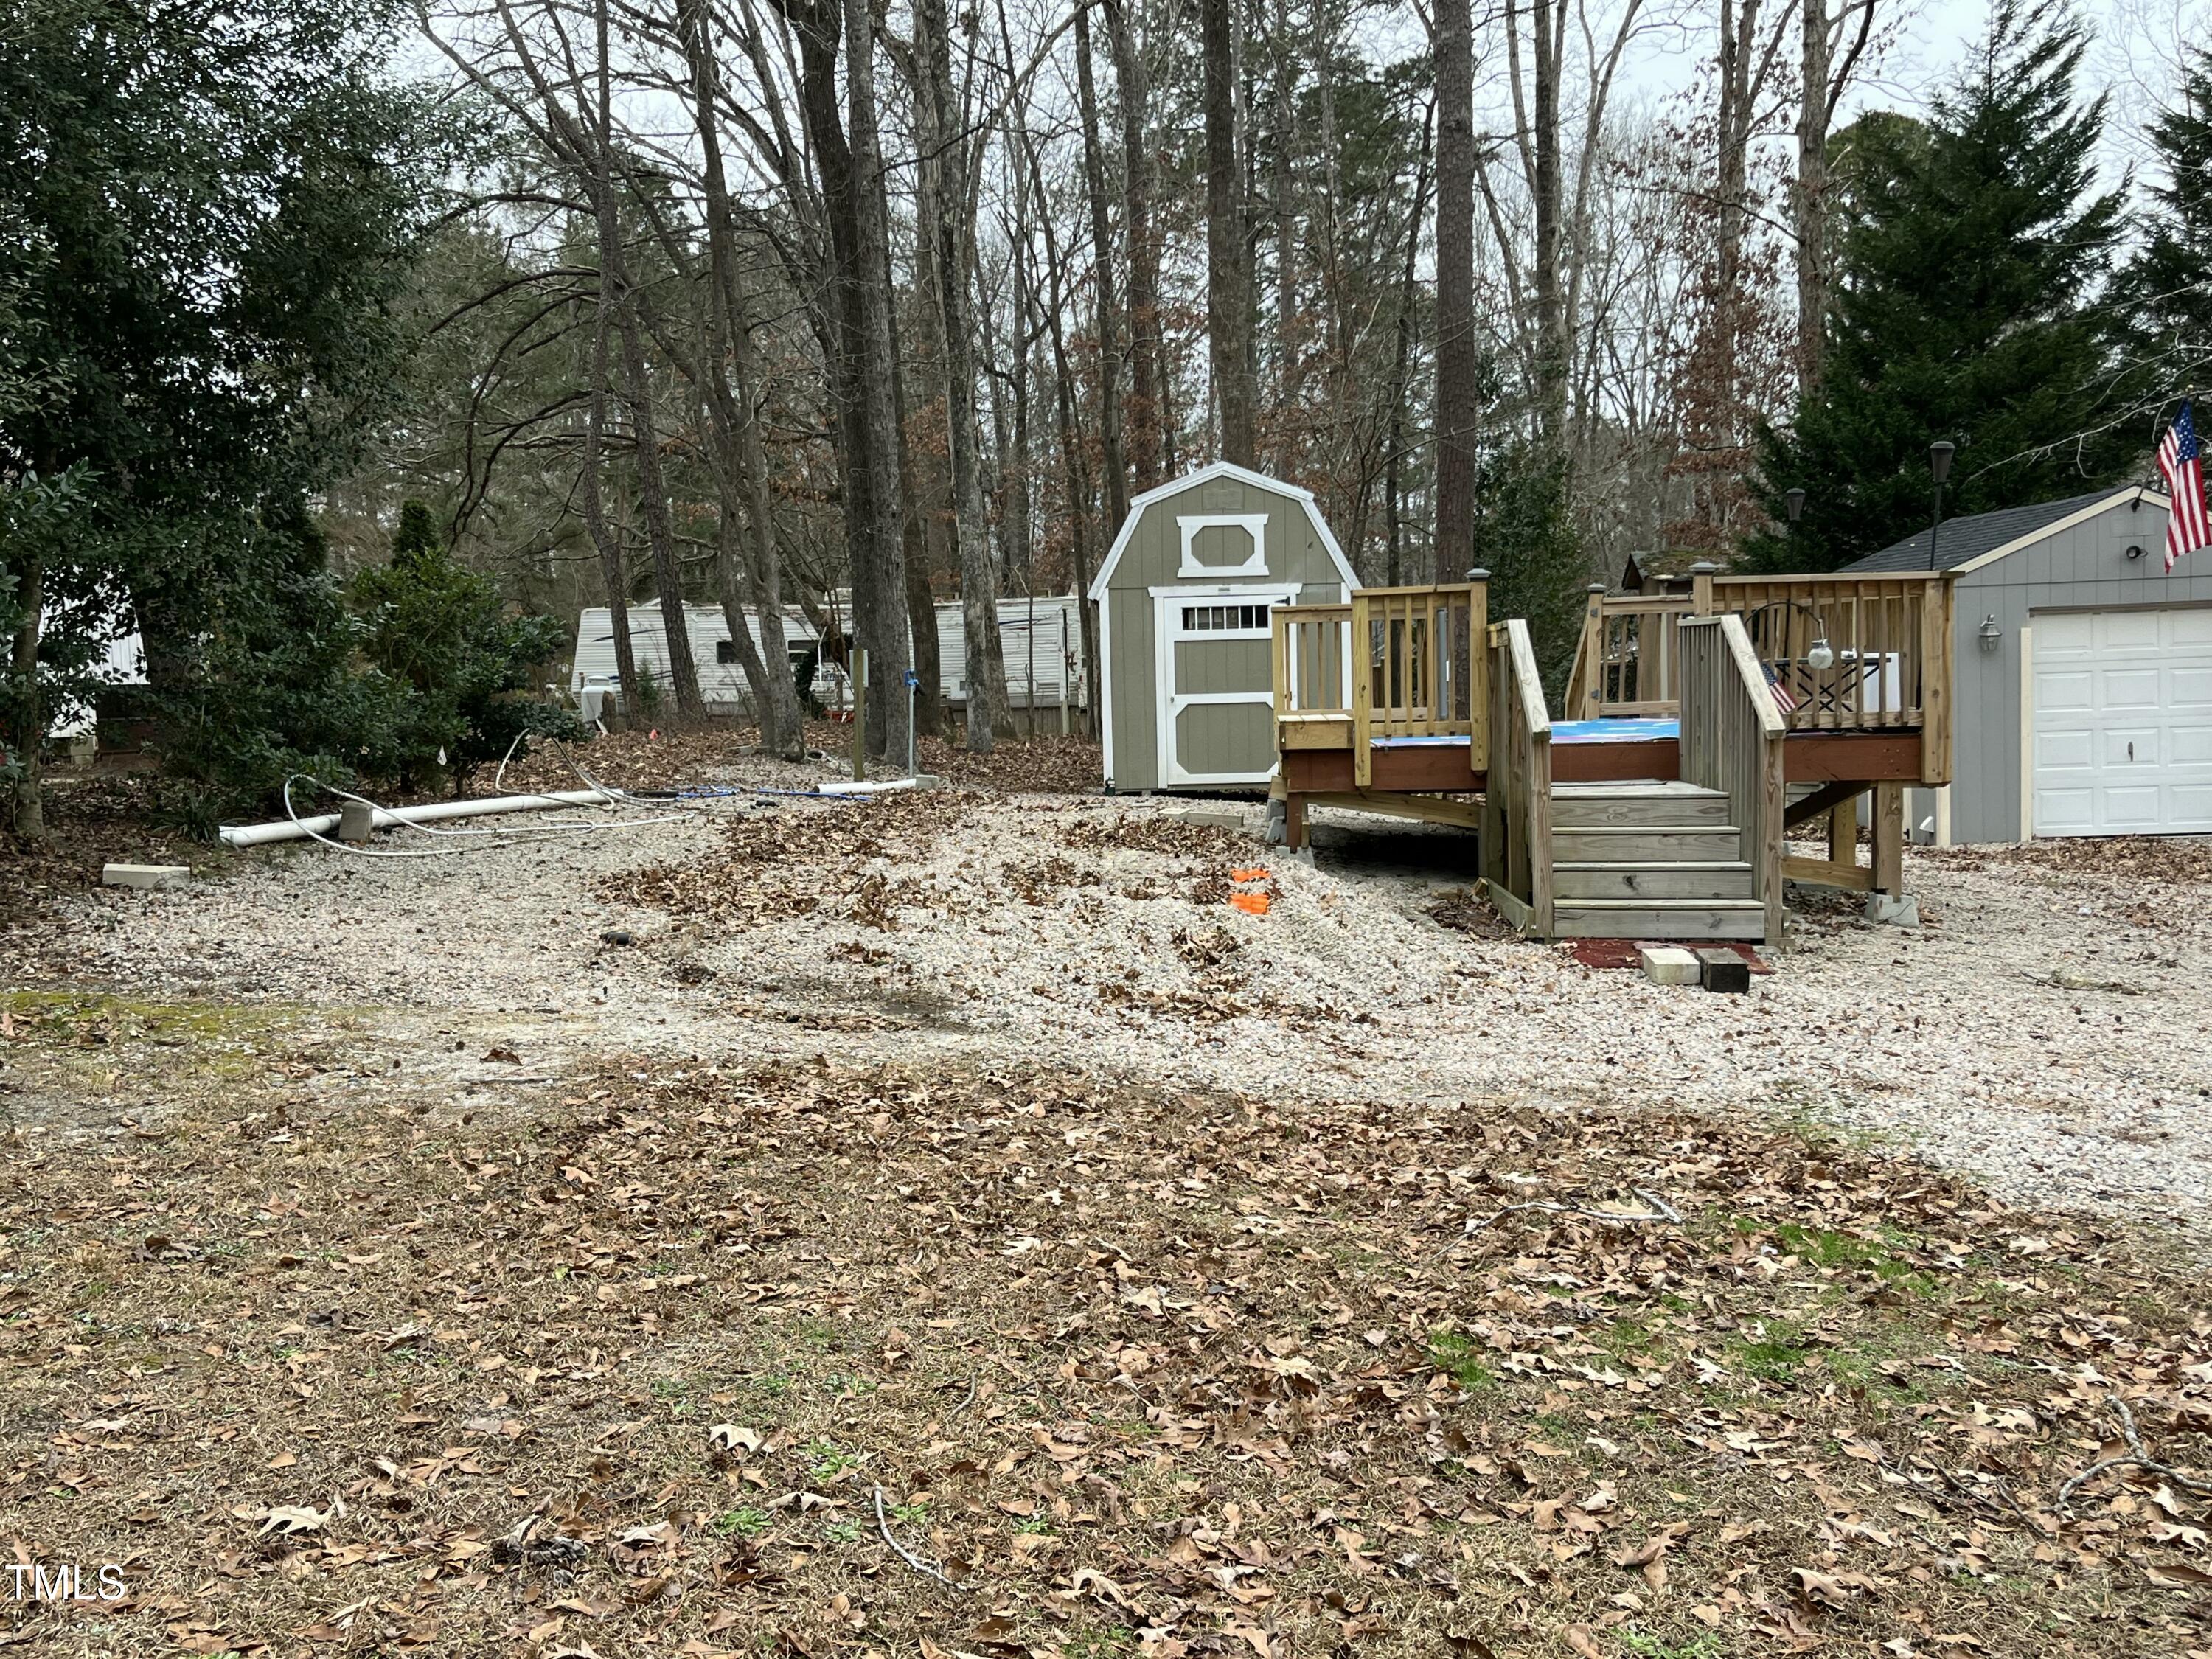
(1185, 655)
(2082, 701)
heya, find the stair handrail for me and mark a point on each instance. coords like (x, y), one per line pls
(1517, 839)
(1732, 738)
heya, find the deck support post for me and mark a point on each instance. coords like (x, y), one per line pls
(1844, 832)
(1294, 822)
(1889, 838)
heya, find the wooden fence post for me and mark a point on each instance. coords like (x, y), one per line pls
(1701, 587)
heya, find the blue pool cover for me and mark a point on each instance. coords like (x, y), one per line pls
(1615, 730)
(1608, 730)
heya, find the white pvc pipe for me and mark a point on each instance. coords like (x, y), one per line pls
(256, 834)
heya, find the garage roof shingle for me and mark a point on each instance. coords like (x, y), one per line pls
(1965, 540)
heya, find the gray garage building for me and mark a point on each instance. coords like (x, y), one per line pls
(1186, 673)
(2083, 699)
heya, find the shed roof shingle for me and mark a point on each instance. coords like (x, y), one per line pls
(1964, 540)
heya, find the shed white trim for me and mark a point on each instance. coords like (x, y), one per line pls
(1168, 703)
(1254, 524)
(1205, 474)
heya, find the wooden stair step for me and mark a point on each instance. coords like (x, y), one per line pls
(1626, 882)
(1668, 918)
(1656, 843)
(1647, 805)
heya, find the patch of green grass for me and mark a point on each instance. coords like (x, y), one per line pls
(915, 1514)
(1774, 1356)
(744, 1521)
(827, 1460)
(1455, 1356)
(842, 1532)
(1099, 1641)
(819, 1334)
(1828, 1248)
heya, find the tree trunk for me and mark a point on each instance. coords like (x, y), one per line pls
(879, 611)
(1549, 21)
(613, 574)
(1809, 198)
(26, 730)
(1147, 363)
(660, 528)
(1014, 505)
(1458, 394)
(1282, 185)
(734, 412)
(1078, 485)
(1228, 318)
(1101, 251)
(940, 132)
(819, 26)
(1401, 367)
(614, 283)
(919, 534)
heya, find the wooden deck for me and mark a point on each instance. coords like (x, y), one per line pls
(1408, 702)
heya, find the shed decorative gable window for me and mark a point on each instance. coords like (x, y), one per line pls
(1226, 618)
(1191, 526)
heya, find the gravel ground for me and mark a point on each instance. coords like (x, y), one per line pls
(2046, 1033)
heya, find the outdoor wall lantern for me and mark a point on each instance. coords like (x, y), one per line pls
(2135, 549)
(1990, 634)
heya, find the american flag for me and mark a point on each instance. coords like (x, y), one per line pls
(1784, 698)
(2182, 466)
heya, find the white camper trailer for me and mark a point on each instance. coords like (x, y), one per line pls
(1040, 639)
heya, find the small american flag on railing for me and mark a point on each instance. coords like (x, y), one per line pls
(1784, 699)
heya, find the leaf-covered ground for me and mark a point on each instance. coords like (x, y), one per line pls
(1128, 1371)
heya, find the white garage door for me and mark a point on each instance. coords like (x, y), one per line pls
(2122, 722)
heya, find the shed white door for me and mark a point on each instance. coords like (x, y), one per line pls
(1217, 691)
(2122, 722)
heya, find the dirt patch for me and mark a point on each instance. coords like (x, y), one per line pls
(789, 865)
(2181, 861)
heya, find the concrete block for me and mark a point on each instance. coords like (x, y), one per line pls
(1724, 970)
(148, 877)
(356, 819)
(1668, 964)
(1893, 909)
(928, 780)
(1220, 817)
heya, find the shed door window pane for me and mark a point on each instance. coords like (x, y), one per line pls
(1224, 618)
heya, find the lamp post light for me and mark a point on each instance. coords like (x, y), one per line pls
(1793, 503)
(1939, 468)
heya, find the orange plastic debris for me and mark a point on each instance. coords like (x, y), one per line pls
(1257, 873)
(1254, 903)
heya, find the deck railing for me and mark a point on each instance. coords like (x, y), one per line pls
(1390, 662)
(1516, 818)
(1625, 663)
(1848, 653)
(1732, 739)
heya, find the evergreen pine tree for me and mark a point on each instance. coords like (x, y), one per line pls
(1971, 254)
(2165, 301)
